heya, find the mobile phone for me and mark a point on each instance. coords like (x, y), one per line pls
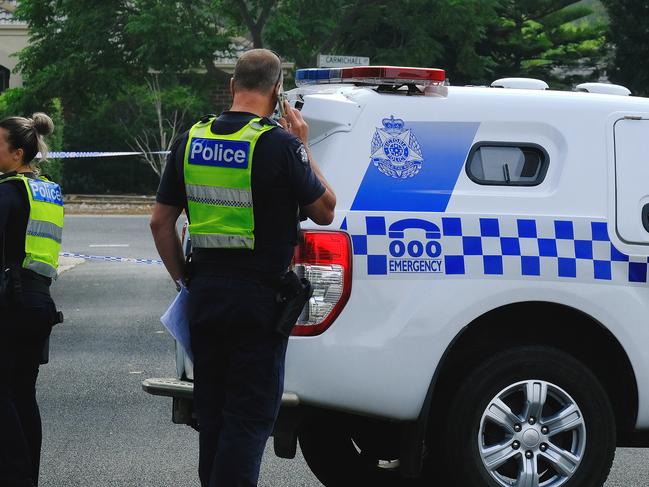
(281, 98)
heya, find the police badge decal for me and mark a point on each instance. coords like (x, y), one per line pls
(395, 150)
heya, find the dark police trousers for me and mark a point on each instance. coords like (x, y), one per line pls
(22, 335)
(238, 375)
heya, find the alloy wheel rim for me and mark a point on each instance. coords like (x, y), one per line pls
(532, 434)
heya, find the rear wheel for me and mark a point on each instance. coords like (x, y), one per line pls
(345, 452)
(531, 417)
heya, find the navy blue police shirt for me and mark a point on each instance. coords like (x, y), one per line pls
(14, 213)
(282, 181)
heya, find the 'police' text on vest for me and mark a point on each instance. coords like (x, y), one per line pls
(222, 153)
(46, 192)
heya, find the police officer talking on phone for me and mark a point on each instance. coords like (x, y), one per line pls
(242, 179)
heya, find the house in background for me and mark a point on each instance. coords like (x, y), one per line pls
(14, 37)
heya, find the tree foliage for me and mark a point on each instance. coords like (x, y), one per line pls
(77, 50)
(629, 33)
(95, 57)
(545, 39)
(250, 15)
(162, 114)
(98, 58)
(173, 37)
(474, 40)
(447, 35)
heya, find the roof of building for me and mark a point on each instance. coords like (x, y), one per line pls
(6, 17)
(238, 46)
(225, 60)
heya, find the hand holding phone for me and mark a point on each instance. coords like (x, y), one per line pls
(295, 123)
(281, 98)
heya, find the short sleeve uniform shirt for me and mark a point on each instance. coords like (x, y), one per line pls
(282, 182)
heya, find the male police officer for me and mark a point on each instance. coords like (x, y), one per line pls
(241, 178)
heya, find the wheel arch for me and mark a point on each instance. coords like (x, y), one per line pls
(500, 329)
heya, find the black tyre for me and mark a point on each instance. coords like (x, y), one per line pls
(342, 452)
(529, 417)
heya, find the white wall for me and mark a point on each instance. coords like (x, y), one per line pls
(13, 38)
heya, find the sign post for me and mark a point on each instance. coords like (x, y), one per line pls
(339, 61)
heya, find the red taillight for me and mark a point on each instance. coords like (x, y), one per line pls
(325, 259)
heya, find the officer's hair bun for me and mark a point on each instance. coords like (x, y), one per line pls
(42, 124)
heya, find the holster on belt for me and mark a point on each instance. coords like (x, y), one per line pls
(294, 293)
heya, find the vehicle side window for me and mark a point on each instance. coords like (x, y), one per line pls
(507, 164)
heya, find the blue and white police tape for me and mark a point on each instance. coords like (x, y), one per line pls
(110, 258)
(79, 155)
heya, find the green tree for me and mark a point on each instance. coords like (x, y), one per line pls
(629, 32)
(300, 29)
(162, 115)
(447, 35)
(11, 102)
(176, 37)
(77, 51)
(95, 57)
(475, 40)
(253, 15)
(546, 39)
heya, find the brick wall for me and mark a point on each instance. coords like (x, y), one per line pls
(221, 98)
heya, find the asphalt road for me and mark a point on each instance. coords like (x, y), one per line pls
(100, 429)
(124, 236)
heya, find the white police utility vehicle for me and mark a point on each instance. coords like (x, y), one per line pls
(481, 305)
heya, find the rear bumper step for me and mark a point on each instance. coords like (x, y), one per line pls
(169, 387)
(182, 389)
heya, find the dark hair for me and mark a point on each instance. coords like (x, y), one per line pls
(27, 134)
(258, 70)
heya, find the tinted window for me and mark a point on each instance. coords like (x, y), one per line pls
(507, 165)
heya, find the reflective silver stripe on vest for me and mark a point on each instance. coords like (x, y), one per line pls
(42, 269)
(38, 228)
(214, 195)
(218, 241)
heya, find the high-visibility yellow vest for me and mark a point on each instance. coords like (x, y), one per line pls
(218, 171)
(45, 225)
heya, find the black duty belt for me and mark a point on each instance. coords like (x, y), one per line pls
(219, 270)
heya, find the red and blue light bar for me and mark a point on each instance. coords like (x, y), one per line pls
(371, 75)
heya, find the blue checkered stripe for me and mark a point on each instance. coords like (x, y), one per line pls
(546, 248)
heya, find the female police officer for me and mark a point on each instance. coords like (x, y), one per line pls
(31, 223)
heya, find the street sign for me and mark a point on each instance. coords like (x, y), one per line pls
(337, 61)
